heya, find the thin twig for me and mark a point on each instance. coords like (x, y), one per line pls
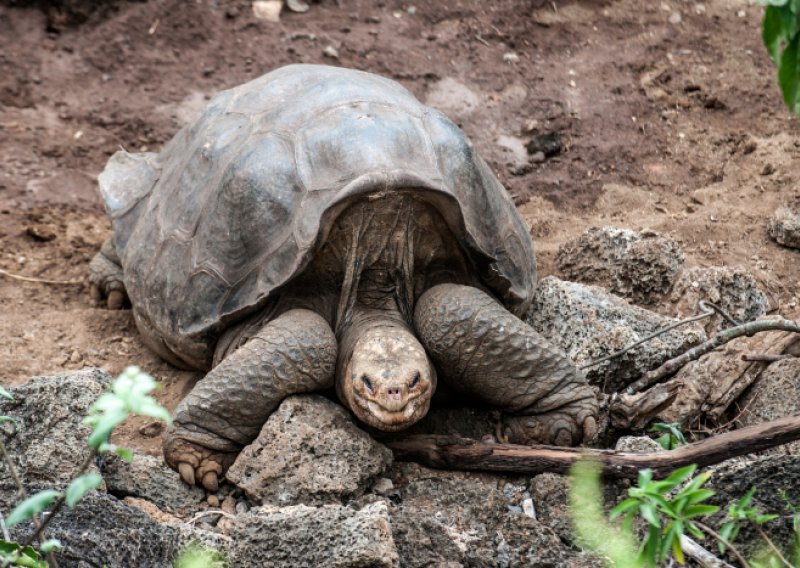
(765, 357)
(718, 536)
(40, 280)
(6, 536)
(699, 553)
(59, 503)
(202, 514)
(648, 338)
(23, 494)
(721, 338)
(708, 308)
(772, 546)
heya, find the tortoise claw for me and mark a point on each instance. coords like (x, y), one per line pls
(210, 482)
(187, 473)
(115, 300)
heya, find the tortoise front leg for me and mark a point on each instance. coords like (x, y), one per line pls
(485, 351)
(294, 353)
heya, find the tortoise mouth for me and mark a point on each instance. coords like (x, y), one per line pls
(402, 416)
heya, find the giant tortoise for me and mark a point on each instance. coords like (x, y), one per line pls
(320, 227)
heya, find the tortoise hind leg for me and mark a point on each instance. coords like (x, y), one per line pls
(486, 352)
(105, 277)
(294, 353)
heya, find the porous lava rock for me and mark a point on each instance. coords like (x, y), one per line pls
(588, 323)
(732, 288)
(309, 450)
(304, 536)
(640, 266)
(784, 227)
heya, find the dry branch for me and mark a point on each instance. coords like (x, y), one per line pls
(449, 452)
(721, 338)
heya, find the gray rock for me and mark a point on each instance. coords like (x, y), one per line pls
(588, 323)
(330, 535)
(733, 289)
(639, 266)
(309, 451)
(149, 478)
(48, 444)
(774, 395)
(473, 511)
(638, 445)
(550, 492)
(423, 541)
(784, 227)
(101, 530)
(774, 477)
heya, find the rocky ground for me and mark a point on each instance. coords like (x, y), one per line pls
(646, 145)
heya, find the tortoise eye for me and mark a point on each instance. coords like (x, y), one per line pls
(414, 381)
(367, 383)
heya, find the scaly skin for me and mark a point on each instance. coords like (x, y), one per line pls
(294, 353)
(105, 277)
(485, 351)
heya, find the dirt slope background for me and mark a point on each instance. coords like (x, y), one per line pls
(668, 114)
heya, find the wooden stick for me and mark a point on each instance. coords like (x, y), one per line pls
(40, 280)
(721, 338)
(449, 452)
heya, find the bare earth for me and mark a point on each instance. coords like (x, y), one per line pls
(669, 113)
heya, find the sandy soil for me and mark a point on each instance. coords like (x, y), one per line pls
(668, 113)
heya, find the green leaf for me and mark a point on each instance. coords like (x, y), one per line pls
(5, 394)
(124, 453)
(665, 441)
(32, 506)
(649, 514)
(14, 555)
(699, 510)
(699, 495)
(80, 486)
(105, 425)
(696, 532)
(772, 2)
(9, 419)
(51, 545)
(789, 74)
(761, 519)
(677, 551)
(680, 475)
(645, 477)
(626, 505)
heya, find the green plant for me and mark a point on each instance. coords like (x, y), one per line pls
(670, 510)
(129, 395)
(672, 436)
(781, 34)
(198, 556)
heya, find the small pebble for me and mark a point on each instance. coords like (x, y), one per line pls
(213, 501)
(383, 486)
(510, 58)
(528, 509)
(268, 10)
(675, 18)
(229, 505)
(331, 52)
(741, 14)
(242, 507)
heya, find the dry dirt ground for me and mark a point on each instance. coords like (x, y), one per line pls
(668, 112)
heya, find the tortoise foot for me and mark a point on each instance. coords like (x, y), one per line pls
(105, 278)
(197, 464)
(562, 427)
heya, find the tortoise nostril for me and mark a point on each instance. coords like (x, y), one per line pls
(367, 383)
(393, 392)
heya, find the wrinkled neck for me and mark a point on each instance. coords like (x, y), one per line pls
(363, 318)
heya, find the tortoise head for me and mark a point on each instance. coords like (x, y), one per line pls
(388, 380)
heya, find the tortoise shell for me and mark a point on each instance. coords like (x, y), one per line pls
(237, 203)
